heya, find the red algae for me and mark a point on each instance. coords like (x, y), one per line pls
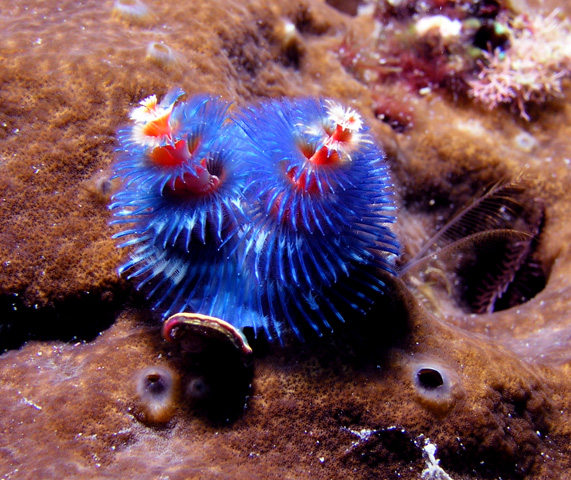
(491, 391)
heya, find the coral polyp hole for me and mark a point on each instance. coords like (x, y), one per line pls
(430, 378)
(155, 384)
(134, 11)
(197, 389)
(162, 55)
(156, 391)
(491, 36)
(437, 388)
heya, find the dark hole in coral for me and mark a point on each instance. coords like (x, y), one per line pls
(156, 395)
(488, 37)
(291, 55)
(520, 407)
(430, 378)
(218, 378)
(486, 256)
(510, 274)
(78, 317)
(155, 384)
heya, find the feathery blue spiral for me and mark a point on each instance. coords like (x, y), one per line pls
(273, 217)
(318, 231)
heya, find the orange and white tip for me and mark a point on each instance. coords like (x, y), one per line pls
(345, 117)
(152, 122)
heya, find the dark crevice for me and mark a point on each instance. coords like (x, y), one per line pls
(430, 378)
(487, 253)
(306, 23)
(507, 271)
(291, 55)
(77, 318)
(392, 445)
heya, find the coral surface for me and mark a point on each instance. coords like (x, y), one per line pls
(423, 386)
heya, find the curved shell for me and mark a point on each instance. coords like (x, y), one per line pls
(195, 329)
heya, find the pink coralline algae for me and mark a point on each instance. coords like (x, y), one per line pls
(482, 50)
(531, 69)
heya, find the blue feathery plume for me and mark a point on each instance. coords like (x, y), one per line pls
(276, 215)
(181, 201)
(322, 202)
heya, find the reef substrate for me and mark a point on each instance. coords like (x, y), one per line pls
(89, 389)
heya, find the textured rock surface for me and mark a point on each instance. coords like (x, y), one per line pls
(491, 391)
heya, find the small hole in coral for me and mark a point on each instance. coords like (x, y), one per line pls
(197, 389)
(162, 55)
(156, 389)
(437, 387)
(291, 56)
(430, 378)
(155, 381)
(487, 38)
(155, 384)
